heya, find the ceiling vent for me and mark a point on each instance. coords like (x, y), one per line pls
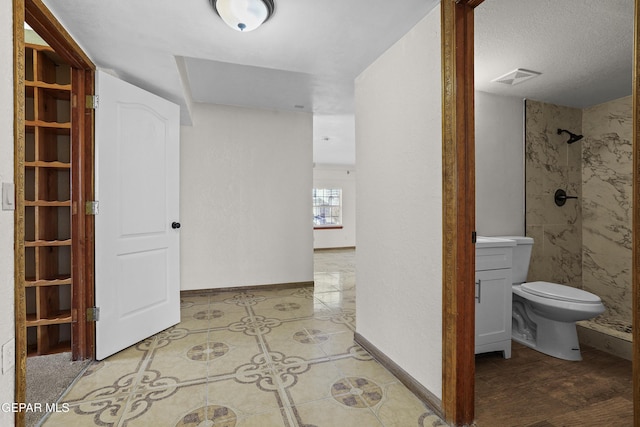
(516, 76)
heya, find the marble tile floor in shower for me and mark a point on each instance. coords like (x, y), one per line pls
(263, 358)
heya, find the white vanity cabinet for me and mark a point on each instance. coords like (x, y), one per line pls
(493, 295)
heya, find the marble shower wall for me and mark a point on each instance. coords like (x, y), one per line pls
(607, 170)
(587, 242)
(553, 164)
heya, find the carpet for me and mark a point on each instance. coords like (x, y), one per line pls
(48, 377)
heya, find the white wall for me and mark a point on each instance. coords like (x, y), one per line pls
(499, 165)
(399, 197)
(344, 177)
(245, 202)
(7, 324)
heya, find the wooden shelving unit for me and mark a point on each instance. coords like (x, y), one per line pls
(48, 266)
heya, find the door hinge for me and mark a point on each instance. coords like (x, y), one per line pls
(474, 237)
(93, 314)
(91, 102)
(91, 207)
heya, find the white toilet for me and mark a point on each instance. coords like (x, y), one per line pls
(544, 314)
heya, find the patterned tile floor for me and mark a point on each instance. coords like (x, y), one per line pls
(256, 358)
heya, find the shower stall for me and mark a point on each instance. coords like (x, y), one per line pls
(585, 241)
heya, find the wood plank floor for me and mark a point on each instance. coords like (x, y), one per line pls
(535, 390)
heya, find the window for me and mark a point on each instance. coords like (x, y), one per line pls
(327, 207)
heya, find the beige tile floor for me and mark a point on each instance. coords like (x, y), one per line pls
(255, 358)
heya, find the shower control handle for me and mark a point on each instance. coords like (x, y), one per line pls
(561, 197)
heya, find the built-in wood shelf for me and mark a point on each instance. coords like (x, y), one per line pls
(61, 347)
(48, 284)
(55, 319)
(48, 203)
(52, 165)
(64, 90)
(45, 243)
(32, 282)
(32, 124)
(43, 164)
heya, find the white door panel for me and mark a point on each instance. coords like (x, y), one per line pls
(137, 187)
(142, 140)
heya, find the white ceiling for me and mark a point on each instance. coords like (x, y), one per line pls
(307, 55)
(583, 48)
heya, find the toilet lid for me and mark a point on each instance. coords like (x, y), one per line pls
(560, 292)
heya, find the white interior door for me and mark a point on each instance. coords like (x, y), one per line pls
(137, 248)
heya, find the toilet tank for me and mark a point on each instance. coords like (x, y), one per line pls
(521, 257)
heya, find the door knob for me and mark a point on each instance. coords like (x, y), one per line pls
(175, 225)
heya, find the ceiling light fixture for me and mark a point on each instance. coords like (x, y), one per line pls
(243, 15)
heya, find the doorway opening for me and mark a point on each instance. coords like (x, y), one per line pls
(458, 146)
(53, 164)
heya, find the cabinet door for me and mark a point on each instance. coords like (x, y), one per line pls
(493, 306)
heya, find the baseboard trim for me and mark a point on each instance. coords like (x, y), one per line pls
(334, 249)
(416, 388)
(268, 287)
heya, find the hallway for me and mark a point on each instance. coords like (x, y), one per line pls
(257, 358)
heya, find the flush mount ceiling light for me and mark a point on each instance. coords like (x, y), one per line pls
(243, 15)
(516, 76)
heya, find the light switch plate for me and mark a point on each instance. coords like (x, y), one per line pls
(8, 196)
(8, 355)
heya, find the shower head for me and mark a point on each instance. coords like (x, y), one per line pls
(572, 136)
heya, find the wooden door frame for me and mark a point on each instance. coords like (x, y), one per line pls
(636, 217)
(459, 212)
(82, 75)
(458, 264)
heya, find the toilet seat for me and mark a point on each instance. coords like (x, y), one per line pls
(560, 292)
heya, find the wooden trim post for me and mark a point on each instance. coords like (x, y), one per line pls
(636, 219)
(19, 220)
(458, 211)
